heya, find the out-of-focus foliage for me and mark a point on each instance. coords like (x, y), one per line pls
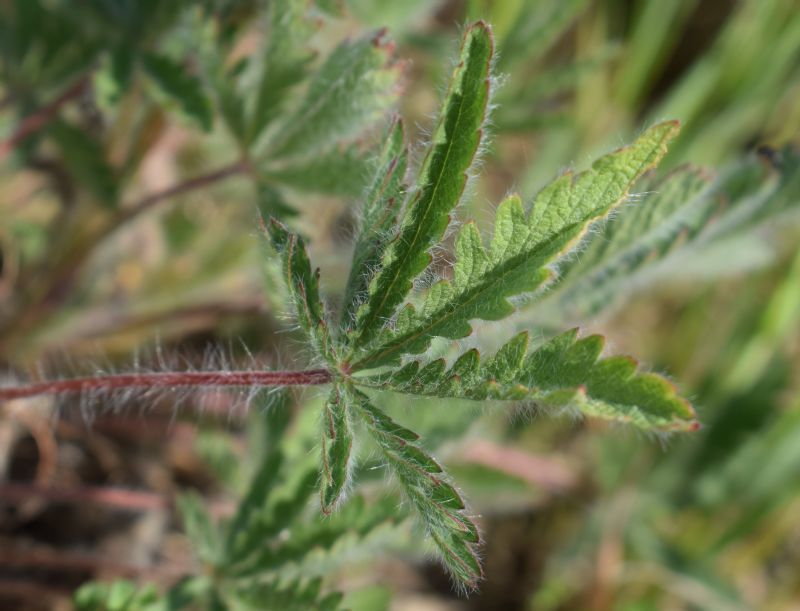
(274, 115)
(582, 72)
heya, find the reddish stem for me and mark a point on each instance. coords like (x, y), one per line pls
(35, 121)
(169, 380)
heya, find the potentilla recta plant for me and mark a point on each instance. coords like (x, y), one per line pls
(379, 342)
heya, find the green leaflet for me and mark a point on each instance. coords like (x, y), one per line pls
(185, 88)
(337, 446)
(353, 87)
(439, 187)
(303, 285)
(378, 217)
(247, 512)
(520, 248)
(563, 371)
(273, 516)
(199, 527)
(673, 204)
(437, 503)
(756, 198)
(247, 528)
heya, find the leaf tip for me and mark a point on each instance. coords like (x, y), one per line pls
(484, 27)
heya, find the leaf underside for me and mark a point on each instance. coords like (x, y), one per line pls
(303, 286)
(437, 503)
(337, 445)
(674, 210)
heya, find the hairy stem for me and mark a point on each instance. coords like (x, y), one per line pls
(35, 121)
(168, 380)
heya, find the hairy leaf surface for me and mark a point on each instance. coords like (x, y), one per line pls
(564, 371)
(303, 285)
(689, 223)
(439, 186)
(483, 280)
(337, 446)
(378, 217)
(675, 208)
(438, 504)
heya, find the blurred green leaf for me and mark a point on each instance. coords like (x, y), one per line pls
(355, 85)
(174, 80)
(85, 158)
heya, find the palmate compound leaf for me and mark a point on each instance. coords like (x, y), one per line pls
(436, 502)
(563, 372)
(516, 261)
(439, 187)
